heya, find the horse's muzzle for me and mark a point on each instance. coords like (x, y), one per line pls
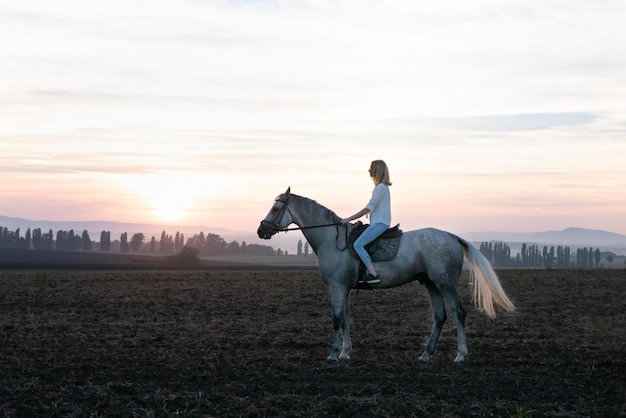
(266, 230)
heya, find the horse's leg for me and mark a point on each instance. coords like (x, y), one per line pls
(439, 317)
(458, 313)
(347, 342)
(338, 297)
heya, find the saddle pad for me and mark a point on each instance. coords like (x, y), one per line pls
(383, 248)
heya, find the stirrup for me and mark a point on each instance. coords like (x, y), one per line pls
(370, 279)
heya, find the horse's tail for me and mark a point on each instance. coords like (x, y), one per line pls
(487, 288)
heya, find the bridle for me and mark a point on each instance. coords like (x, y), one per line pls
(274, 223)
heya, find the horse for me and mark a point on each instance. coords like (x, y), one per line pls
(431, 256)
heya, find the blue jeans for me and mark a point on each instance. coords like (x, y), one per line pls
(370, 234)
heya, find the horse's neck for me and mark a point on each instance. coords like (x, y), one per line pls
(308, 213)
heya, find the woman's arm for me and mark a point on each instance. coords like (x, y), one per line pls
(357, 215)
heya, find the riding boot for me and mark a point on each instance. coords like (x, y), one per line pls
(368, 278)
(371, 279)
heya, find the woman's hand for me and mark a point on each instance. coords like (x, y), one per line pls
(357, 215)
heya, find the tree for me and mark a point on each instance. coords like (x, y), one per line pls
(498, 253)
(86, 241)
(256, 249)
(610, 259)
(36, 238)
(71, 239)
(581, 258)
(61, 240)
(531, 256)
(10, 239)
(124, 247)
(562, 257)
(49, 240)
(176, 241)
(299, 248)
(550, 259)
(211, 244)
(27, 238)
(153, 245)
(102, 241)
(306, 249)
(232, 248)
(546, 257)
(163, 242)
(166, 244)
(136, 241)
(105, 241)
(598, 257)
(215, 245)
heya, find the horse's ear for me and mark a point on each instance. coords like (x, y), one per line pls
(288, 192)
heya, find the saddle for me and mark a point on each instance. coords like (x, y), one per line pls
(383, 248)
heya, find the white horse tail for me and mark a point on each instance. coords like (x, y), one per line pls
(487, 288)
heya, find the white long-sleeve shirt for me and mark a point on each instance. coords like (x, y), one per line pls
(380, 205)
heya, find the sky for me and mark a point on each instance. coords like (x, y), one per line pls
(492, 115)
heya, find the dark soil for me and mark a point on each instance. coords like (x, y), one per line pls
(254, 343)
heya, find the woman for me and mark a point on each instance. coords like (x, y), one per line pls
(379, 208)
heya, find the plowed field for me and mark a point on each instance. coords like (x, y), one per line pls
(253, 343)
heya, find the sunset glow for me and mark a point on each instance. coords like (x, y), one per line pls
(492, 115)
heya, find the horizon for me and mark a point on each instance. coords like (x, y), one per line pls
(491, 116)
(161, 225)
(213, 227)
(288, 242)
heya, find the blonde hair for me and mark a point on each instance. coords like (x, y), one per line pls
(379, 172)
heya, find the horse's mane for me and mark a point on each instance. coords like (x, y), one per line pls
(324, 211)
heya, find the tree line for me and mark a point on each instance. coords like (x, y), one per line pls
(205, 244)
(498, 253)
(533, 256)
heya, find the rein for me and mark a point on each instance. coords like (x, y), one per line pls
(300, 228)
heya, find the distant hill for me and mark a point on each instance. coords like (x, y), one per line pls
(569, 236)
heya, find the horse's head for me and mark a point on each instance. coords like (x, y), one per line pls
(278, 218)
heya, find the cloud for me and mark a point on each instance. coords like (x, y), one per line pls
(521, 122)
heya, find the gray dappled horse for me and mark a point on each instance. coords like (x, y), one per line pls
(432, 256)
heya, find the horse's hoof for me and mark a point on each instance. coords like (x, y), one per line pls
(332, 359)
(459, 359)
(344, 357)
(424, 358)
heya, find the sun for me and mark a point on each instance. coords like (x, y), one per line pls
(167, 196)
(168, 210)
